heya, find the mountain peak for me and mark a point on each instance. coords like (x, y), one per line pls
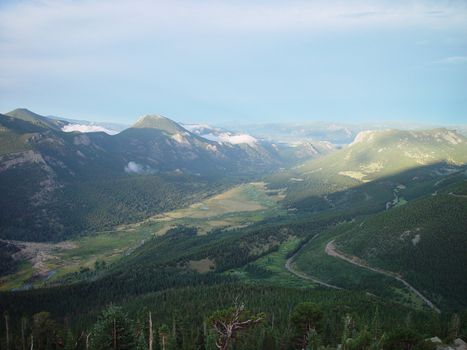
(34, 118)
(155, 121)
(23, 113)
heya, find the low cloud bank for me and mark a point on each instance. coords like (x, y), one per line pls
(135, 168)
(232, 139)
(87, 128)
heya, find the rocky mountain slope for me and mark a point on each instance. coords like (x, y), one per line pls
(57, 183)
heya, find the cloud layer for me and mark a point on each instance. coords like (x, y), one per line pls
(88, 128)
(136, 168)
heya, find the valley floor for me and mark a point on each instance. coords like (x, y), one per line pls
(46, 264)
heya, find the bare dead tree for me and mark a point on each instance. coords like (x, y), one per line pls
(114, 335)
(164, 334)
(151, 335)
(228, 323)
(7, 329)
(87, 340)
(23, 339)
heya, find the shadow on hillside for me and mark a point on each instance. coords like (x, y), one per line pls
(376, 195)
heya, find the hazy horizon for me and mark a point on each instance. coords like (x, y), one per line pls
(233, 125)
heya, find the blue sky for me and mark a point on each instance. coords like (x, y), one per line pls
(236, 61)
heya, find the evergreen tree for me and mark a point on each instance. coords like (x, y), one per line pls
(164, 336)
(306, 318)
(113, 331)
(141, 343)
(46, 333)
(402, 339)
(70, 343)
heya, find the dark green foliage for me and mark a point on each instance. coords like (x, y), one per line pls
(307, 321)
(113, 331)
(403, 339)
(102, 205)
(7, 263)
(185, 309)
(257, 272)
(425, 240)
(46, 332)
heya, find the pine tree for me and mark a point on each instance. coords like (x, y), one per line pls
(454, 326)
(376, 331)
(141, 342)
(347, 332)
(70, 343)
(113, 331)
(23, 332)
(164, 336)
(306, 319)
(7, 329)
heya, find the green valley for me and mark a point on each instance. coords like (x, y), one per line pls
(158, 218)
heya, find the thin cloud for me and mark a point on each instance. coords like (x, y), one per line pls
(39, 28)
(452, 60)
(124, 18)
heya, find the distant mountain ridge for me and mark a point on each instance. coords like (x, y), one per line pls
(336, 133)
(51, 180)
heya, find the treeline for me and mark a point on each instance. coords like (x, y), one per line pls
(237, 317)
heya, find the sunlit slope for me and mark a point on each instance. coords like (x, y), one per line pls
(375, 157)
(375, 154)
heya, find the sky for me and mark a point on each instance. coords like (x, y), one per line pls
(240, 61)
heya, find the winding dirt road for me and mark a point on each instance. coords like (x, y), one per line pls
(289, 266)
(332, 251)
(458, 195)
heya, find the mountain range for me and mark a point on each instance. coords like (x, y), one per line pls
(56, 183)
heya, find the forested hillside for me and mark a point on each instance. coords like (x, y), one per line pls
(56, 184)
(424, 241)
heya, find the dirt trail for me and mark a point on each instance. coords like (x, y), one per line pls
(458, 195)
(289, 266)
(332, 251)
